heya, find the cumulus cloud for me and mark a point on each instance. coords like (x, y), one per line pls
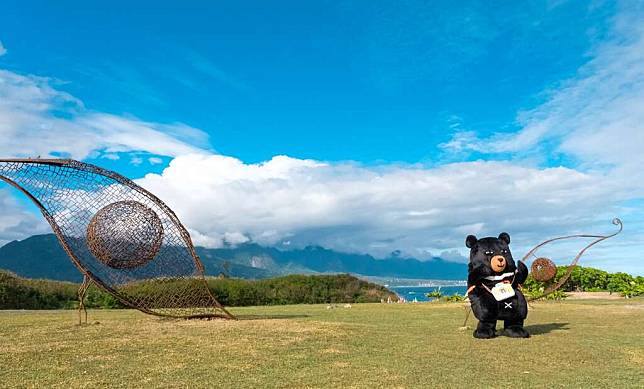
(38, 119)
(378, 209)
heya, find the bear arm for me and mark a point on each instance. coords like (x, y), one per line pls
(471, 279)
(522, 273)
(476, 274)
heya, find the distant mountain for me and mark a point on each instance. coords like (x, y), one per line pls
(320, 260)
(41, 256)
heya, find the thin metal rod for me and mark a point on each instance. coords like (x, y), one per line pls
(82, 291)
(573, 264)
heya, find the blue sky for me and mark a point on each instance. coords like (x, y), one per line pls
(325, 80)
(350, 94)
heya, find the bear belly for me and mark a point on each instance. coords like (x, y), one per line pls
(486, 308)
(514, 308)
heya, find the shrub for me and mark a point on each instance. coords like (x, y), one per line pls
(587, 279)
(435, 294)
(19, 293)
(455, 298)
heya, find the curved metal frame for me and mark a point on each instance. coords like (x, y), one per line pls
(571, 267)
(69, 163)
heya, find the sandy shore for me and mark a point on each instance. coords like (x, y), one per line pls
(593, 295)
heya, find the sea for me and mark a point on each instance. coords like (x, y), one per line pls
(410, 293)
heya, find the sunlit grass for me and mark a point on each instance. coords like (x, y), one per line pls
(574, 344)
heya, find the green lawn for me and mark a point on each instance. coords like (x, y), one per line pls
(574, 344)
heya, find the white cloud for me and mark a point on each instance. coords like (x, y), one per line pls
(3, 50)
(37, 119)
(378, 209)
(15, 221)
(596, 117)
(111, 156)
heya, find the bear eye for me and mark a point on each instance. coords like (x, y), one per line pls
(489, 252)
(504, 251)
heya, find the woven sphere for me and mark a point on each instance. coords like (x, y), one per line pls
(125, 235)
(543, 269)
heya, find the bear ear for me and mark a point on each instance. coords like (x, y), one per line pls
(504, 236)
(470, 241)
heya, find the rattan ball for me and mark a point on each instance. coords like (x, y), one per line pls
(125, 235)
(543, 269)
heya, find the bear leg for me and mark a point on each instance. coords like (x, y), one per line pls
(514, 329)
(485, 330)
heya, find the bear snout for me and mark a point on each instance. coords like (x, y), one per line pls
(498, 263)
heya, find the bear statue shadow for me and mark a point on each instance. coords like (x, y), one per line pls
(545, 328)
(492, 268)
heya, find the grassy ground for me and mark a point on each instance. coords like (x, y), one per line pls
(574, 344)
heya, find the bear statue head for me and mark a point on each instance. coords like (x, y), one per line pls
(490, 256)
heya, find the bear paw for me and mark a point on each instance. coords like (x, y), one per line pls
(486, 333)
(516, 332)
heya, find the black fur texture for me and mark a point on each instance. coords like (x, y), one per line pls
(487, 310)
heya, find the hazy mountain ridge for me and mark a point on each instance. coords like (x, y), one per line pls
(41, 256)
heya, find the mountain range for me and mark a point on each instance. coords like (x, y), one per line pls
(41, 256)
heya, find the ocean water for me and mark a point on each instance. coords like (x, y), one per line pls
(418, 292)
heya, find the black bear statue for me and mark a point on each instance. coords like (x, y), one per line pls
(493, 287)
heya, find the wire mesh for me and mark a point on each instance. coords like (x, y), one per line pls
(543, 269)
(125, 234)
(122, 237)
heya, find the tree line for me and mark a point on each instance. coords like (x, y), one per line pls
(582, 279)
(22, 293)
(588, 279)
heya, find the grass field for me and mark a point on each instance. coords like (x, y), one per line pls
(596, 343)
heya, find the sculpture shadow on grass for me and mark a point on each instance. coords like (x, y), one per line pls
(545, 328)
(239, 317)
(269, 317)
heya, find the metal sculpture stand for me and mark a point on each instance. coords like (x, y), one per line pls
(120, 236)
(82, 291)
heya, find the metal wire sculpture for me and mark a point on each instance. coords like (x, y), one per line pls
(543, 269)
(573, 264)
(120, 236)
(125, 235)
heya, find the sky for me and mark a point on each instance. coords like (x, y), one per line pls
(360, 126)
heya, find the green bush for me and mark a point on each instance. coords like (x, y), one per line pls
(435, 294)
(587, 279)
(455, 298)
(19, 293)
(297, 289)
(632, 289)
